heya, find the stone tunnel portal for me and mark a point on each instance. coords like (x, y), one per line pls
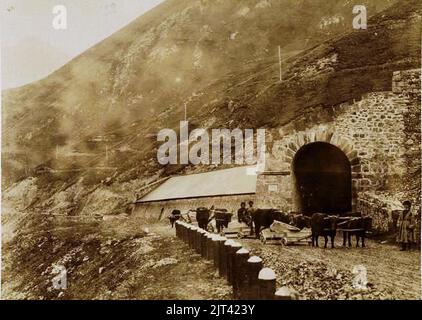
(322, 176)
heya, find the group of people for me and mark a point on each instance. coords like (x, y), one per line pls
(244, 214)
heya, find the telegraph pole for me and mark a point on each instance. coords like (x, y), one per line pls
(106, 154)
(279, 62)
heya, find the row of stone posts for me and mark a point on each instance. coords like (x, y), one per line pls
(245, 273)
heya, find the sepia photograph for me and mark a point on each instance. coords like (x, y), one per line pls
(221, 150)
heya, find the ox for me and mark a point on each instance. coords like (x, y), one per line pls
(301, 221)
(323, 225)
(264, 218)
(358, 227)
(222, 219)
(202, 217)
(174, 216)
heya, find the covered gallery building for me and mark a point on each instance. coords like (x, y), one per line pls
(225, 188)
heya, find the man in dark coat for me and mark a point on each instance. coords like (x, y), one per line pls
(406, 227)
(251, 212)
(242, 213)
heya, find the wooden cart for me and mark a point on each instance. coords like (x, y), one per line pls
(238, 230)
(285, 234)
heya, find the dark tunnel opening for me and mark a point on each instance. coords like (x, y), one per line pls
(322, 179)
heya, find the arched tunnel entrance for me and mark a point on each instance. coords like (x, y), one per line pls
(323, 182)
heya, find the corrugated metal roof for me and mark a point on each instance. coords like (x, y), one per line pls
(234, 181)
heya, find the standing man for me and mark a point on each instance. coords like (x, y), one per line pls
(406, 227)
(250, 213)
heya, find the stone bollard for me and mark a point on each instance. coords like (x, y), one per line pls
(254, 265)
(235, 246)
(283, 293)
(194, 237)
(198, 240)
(189, 236)
(202, 234)
(240, 270)
(267, 284)
(223, 258)
(185, 233)
(182, 231)
(202, 242)
(198, 236)
(218, 244)
(192, 231)
(177, 227)
(210, 249)
(211, 246)
(207, 241)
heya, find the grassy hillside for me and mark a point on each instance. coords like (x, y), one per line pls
(198, 53)
(94, 122)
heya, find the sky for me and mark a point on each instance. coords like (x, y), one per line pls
(31, 48)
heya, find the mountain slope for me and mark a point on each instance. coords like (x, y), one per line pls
(161, 61)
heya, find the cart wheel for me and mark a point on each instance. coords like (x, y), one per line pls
(262, 238)
(283, 242)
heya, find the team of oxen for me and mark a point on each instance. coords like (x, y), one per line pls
(321, 224)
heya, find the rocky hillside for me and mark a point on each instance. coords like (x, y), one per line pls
(95, 120)
(138, 80)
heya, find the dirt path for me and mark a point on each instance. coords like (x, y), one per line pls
(388, 269)
(394, 273)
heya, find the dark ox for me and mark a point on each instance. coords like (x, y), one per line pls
(174, 216)
(222, 219)
(202, 217)
(301, 221)
(359, 227)
(325, 226)
(264, 218)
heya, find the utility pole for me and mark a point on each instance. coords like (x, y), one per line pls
(106, 154)
(279, 62)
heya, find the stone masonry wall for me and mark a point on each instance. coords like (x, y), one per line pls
(380, 135)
